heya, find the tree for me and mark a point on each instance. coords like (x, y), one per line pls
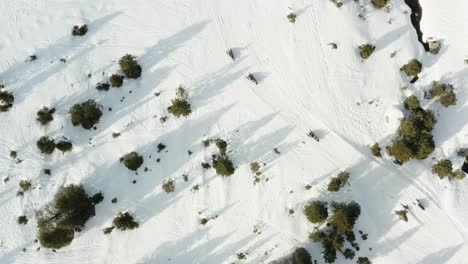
(46, 145)
(132, 160)
(401, 149)
(64, 145)
(412, 68)
(448, 98)
(86, 114)
(338, 182)
(129, 66)
(443, 168)
(301, 256)
(316, 211)
(125, 221)
(223, 166)
(6, 100)
(180, 106)
(116, 80)
(222, 145)
(344, 216)
(366, 50)
(45, 115)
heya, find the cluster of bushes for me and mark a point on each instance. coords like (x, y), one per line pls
(45, 115)
(6, 100)
(415, 139)
(180, 106)
(69, 212)
(86, 114)
(443, 93)
(132, 160)
(335, 227)
(443, 168)
(366, 50)
(123, 221)
(47, 145)
(338, 182)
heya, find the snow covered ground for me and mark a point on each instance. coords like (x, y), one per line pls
(304, 84)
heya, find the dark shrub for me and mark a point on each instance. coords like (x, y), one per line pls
(443, 168)
(417, 123)
(6, 100)
(349, 253)
(46, 145)
(223, 166)
(132, 160)
(64, 145)
(86, 114)
(412, 103)
(301, 256)
(103, 86)
(161, 147)
(424, 146)
(56, 237)
(316, 211)
(97, 198)
(363, 260)
(116, 80)
(125, 221)
(22, 220)
(13, 154)
(80, 30)
(108, 230)
(205, 165)
(344, 216)
(169, 186)
(412, 68)
(25, 185)
(375, 149)
(45, 115)
(366, 50)
(379, 3)
(338, 182)
(130, 67)
(222, 145)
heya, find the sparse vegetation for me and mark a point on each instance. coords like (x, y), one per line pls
(366, 50)
(80, 30)
(129, 66)
(45, 115)
(86, 114)
(412, 68)
(46, 145)
(338, 182)
(116, 80)
(132, 160)
(125, 221)
(180, 106)
(6, 100)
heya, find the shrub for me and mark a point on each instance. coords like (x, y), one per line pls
(161, 147)
(86, 114)
(25, 185)
(116, 80)
(46, 145)
(125, 221)
(108, 230)
(13, 154)
(437, 89)
(401, 149)
(412, 103)
(222, 145)
(230, 53)
(412, 68)
(292, 17)
(417, 123)
(64, 145)
(6, 100)
(458, 174)
(180, 106)
(97, 198)
(366, 50)
(402, 214)
(169, 186)
(255, 167)
(301, 256)
(103, 86)
(22, 220)
(363, 260)
(45, 115)
(316, 211)
(443, 93)
(344, 216)
(338, 182)
(80, 30)
(130, 67)
(443, 168)
(379, 3)
(375, 149)
(70, 211)
(223, 166)
(448, 98)
(205, 165)
(349, 253)
(132, 160)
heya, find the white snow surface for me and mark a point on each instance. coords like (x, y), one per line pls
(304, 85)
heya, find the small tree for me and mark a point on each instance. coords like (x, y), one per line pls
(132, 160)
(316, 211)
(366, 50)
(379, 3)
(46, 145)
(412, 68)
(80, 30)
(292, 17)
(443, 93)
(6, 100)
(223, 166)
(125, 221)
(129, 66)
(222, 145)
(375, 149)
(338, 182)
(344, 216)
(443, 168)
(169, 186)
(22, 220)
(86, 114)
(64, 145)
(412, 103)
(401, 149)
(45, 115)
(301, 256)
(116, 80)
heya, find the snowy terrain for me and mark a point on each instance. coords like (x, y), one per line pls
(304, 85)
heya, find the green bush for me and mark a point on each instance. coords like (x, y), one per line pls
(70, 211)
(169, 186)
(86, 114)
(129, 66)
(6, 100)
(301, 256)
(64, 145)
(412, 103)
(375, 149)
(443, 168)
(46, 145)
(45, 115)
(116, 80)
(366, 50)
(103, 86)
(338, 182)
(80, 30)
(132, 160)
(379, 3)
(223, 166)
(125, 221)
(316, 211)
(412, 68)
